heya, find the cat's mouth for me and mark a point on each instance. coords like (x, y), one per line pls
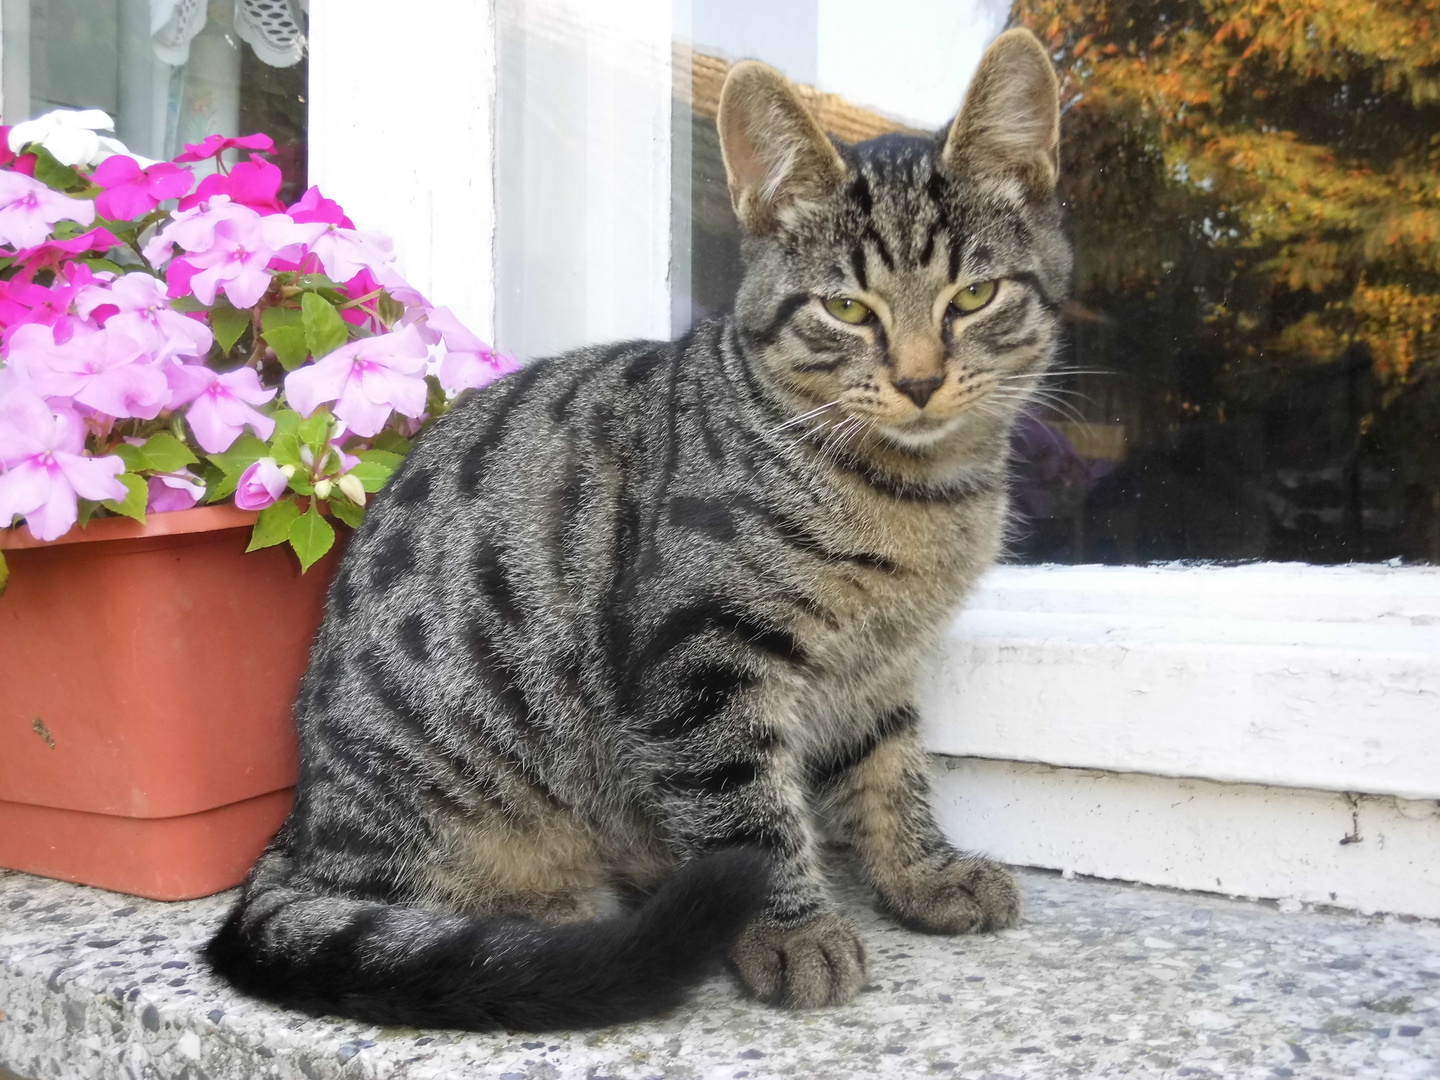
(920, 432)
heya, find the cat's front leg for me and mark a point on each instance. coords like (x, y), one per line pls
(801, 953)
(881, 798)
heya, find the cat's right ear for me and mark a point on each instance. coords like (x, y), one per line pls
(776, 155)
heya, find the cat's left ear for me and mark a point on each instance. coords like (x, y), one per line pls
(776, 155)
(1009, 126)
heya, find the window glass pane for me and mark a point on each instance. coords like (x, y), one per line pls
(168, 71)
(1252, 361)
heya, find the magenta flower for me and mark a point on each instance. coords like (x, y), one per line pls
(213, 145)
(52, 254)
(29, 210)
(468, 361)
(255, 184)
(366, 379)
(260, 485)
(314, 207)
(220, 404)
(132, 192)
(236, 263)
(104, 369)
(143, 312)
(42, 464)
(24, 302)
(173, 491)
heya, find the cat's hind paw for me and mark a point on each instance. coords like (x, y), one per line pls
(969, 896)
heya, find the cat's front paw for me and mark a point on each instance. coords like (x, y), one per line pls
(820, 962)
(968, 896)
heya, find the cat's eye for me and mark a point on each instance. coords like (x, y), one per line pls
(974, 297)
(848, 310)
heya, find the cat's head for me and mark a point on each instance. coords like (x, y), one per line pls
(917, 283)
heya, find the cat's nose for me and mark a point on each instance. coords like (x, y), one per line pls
(919, 390)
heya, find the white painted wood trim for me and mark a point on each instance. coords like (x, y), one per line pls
(1325, 678)
(1368, 853)
(402, 123)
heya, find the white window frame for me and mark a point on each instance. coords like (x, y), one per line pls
(1295, 678)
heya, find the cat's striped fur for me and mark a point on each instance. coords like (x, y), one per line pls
(644, 615)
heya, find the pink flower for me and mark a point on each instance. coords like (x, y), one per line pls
(104, 369)
(344, 252)
(29, 210)
(398, 287)
(212, 145)
(236, 263)
(194, 228)
(255, 184)
(173, 491)
(144, 313)
(131, 192)
(53, 253)
(42, 464)
(260, 485)
(220, 404)
(313, 207)
(366, 379)
(468, 361)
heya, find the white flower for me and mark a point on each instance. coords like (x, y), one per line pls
(70, 136)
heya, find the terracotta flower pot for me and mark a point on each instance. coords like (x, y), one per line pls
(147, 675)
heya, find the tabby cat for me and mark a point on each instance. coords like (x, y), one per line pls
(640, 621)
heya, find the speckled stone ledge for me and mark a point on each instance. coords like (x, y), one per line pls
(1100, 980)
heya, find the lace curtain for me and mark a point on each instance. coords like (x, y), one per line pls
(172, 77)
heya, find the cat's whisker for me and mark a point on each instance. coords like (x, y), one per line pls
(803, 417)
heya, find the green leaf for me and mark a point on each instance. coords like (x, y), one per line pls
(375, 469)
(347, 512)
(316, 281)
(243, 452)
(228, 322)
(300, 483)
(393, 441)
(97, 263)
(165, 453)
(290, 346)
(390, 310)
(4, 573)
(315, 432)
(284, 332)
(51, 173)
(133, 456)
(285, 449)
(381, 457)
(137, 494)
(85, 510)
(186, 304)
(287, 421)
(325, 330)
(311, 536)
(273, 525)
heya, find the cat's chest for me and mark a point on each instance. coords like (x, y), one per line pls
(877, 618)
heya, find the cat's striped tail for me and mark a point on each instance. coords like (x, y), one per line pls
(387, 964)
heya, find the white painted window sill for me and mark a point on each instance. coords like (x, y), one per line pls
(1323, 678)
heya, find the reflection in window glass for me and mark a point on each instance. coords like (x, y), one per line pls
(1252, 363)
(168, 71)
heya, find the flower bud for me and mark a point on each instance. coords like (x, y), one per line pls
(353, 489)
(260, 485)
(323, 488)
(307, 456)
(288, 470)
